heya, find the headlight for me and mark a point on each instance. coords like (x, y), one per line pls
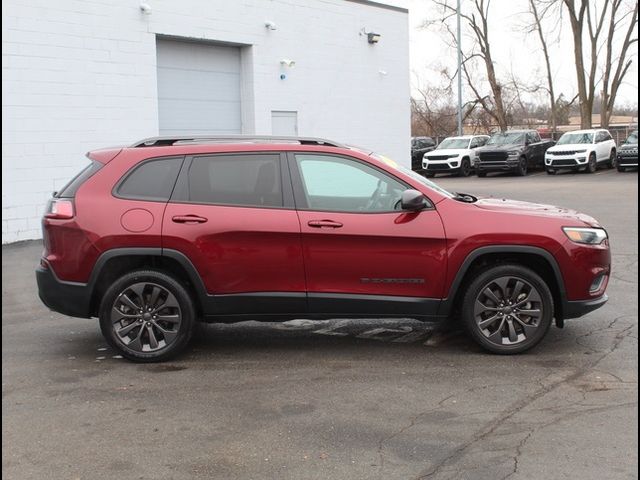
(589, 236)
(581, 151)
(513, 153)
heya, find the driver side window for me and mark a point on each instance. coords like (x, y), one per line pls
(339, 184)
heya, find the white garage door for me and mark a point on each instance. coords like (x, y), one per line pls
(198, 88)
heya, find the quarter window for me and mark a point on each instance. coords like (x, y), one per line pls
(151, 180)
(242, 180)
(340, 184)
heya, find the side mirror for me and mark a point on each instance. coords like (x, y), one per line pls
(413, 200)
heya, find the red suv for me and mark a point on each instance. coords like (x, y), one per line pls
(153, 237)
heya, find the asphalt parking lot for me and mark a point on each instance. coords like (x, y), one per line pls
(343, 399)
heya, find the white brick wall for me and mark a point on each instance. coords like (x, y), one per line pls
(81, 74)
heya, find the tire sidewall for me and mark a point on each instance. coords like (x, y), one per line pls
(592, 165)
(522, 167)
(186, 308)
(480, 281)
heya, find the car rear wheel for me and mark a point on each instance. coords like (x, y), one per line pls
(592, 166)
(507, 309)
(147, 316)
(465, 168)
(522, 167)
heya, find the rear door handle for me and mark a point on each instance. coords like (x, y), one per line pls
(188, 219)
(324, 224)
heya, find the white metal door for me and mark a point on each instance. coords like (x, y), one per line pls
(284, 123)
(198, 88)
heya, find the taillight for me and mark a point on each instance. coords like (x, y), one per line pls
(59, 208)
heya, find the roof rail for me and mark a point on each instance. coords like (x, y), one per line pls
(192, 139)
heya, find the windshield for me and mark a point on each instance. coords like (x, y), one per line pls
(633, 138)
(506, 138)
(575, 138)
(453, 143)
(406, 171)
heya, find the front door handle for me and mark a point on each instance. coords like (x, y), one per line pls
(324, 224)
(188, 219)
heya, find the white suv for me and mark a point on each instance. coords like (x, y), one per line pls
(581, 150)
(454, 155)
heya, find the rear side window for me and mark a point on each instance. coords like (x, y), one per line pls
(242, 180)
(70, 189)
(151, 180)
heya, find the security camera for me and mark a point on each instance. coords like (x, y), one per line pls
(270, 25)
(145, 8)
(287, 62)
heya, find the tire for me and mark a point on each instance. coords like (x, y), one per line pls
(551, 171)
(592, 166)
(482, 174)
(164, 329)
(504, 331)
(522, 167)
(613, 160)
(465, 168)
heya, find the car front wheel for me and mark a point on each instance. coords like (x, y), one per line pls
(147, 316)
(507, 309)
(465, 168)
(522, 167)
(592, 166)
(613, 159)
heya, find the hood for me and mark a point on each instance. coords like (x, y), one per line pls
(538, 209)
(501, 148)
(628, 146)
(570, 146)
(445, 151)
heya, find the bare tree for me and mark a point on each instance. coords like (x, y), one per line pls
(478, 21)
(615, 16)
(538, 16)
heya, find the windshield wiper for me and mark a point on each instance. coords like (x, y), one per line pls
(464, 197)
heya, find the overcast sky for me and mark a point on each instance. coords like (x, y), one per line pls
(512, 49)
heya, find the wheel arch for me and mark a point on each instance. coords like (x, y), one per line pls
(114, 263)
(537, 259)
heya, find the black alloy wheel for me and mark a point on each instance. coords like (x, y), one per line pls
(465, 168)
(522, 167)
(508, 309)
(147, 316)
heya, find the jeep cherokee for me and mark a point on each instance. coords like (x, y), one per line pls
(172, 230)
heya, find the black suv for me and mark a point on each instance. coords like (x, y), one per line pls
(514, 151)
(420, 146)
(628, 152)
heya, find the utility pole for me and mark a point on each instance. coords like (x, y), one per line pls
(459, 72)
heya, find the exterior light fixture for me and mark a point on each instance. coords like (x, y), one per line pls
(373, 37)
(145, 8)
(287, 62)
(269, 25)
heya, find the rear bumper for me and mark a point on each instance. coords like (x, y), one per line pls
(68, 298)
(575, 309)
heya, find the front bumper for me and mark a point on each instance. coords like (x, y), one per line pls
(508, 163)
(627, 160)
(575, 309)
(573, 162)
(441, 166)
(68, 298)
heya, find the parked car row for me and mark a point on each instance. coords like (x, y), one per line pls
(518, 151)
